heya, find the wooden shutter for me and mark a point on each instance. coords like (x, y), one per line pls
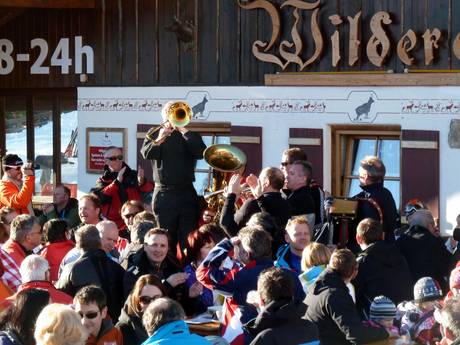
(310, 140)
(249, 140)
(420, 168)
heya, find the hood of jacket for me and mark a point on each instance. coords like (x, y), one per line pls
(277, 313)
(384, 253)
(134, 322)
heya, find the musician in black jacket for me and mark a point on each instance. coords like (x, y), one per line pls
(267, 198)
(174, 152)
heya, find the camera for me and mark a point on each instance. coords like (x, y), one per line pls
(32, 166)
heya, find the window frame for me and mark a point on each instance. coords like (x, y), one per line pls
(344, 135)
(30, 94)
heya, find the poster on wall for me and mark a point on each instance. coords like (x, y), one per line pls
(98, 140)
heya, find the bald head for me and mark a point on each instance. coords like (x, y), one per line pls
(108, 232)
(425, 219)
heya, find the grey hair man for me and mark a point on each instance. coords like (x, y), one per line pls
(35, 274)
(164, 322)
(449, 319)
(108, 231)
(25, 235)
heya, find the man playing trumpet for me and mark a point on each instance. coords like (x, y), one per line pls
(174, 151)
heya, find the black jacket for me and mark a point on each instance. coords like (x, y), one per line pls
(382, 270)
(281, 323)
(272, 203)
(426, 254)
(138, 265)
(132, 328)
(331, 308)
(301, 202)
(384, 199)
(95, 267)
(173, 162)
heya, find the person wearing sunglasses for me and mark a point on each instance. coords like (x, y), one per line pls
(90, 303)
(147, 289)
(17, 184)
(118, 184)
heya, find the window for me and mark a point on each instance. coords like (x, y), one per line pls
(352, 145)
(39, 126)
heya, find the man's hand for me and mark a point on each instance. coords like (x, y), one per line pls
(28, 170)
(48, 208)
(195, 290)
(234, 185)
(255, 184)
(140, 175)
(120, 174)
(177, 279)
(235, 241)
(164, 133)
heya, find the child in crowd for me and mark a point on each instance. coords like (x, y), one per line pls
(382, 314)
(315, 258)
(416, 318)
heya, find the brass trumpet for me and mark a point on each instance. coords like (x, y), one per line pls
(178, 114)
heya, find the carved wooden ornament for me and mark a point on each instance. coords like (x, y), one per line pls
(379, 38)
(355, 38)
(335, 39)
(430, 40)
(405, 45)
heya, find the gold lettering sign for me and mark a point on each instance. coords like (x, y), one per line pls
(378, 48)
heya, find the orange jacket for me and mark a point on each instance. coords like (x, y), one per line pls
(107, 334)
(11, 196)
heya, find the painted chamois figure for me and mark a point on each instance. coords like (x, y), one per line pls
(199, 108)
(364, 109)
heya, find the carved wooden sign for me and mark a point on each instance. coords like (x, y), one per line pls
(377, 49)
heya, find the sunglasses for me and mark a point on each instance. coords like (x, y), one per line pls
(91, 315)
(12, 167)
(145, 300)
(114, 158)
(285, 164)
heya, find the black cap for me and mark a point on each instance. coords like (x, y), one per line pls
(12, 160)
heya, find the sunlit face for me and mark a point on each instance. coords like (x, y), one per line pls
(59, 196)
(34, 237)
(149, 293)
(363, 177)
(114, 159)
(15, 173)
(109, 237)
(285, 164)
(128, 214)
(295, 177)
(91, 316)
(89, 214)
(156, 247)
(206, 249)
(298, 236)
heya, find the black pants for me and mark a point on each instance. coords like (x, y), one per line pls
(176, 210)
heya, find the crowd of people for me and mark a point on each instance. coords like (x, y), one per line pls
(111, 269)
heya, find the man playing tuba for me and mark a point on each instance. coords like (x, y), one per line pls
(173, 151)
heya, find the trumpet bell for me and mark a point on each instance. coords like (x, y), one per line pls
(178, 113)
(224, 157)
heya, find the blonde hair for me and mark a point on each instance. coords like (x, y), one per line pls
(58, 324)
(315, 254)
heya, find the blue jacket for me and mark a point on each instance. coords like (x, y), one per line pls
(175, 332)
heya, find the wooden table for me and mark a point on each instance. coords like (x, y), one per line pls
(204, 329)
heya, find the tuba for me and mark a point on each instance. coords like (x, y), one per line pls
(178, 114)
(224, 159)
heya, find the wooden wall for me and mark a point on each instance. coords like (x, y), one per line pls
(133, 48)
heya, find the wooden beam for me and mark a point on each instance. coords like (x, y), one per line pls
(363, 79)
(48, 3)
(7, 15)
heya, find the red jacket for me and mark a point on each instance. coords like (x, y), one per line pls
(56, 295)
(114, 194)
(11, 196)
(54, 253)
(15, 251)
